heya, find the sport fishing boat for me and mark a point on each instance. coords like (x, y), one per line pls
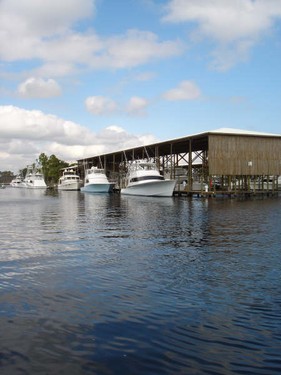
(96, 181)
(34, 178)
(69, 179)
(144, 178)
(17, 182)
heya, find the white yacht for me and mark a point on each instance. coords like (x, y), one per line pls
(69, 179)
(144, 178)
(34, 178)
(17, 182)
(96, 181)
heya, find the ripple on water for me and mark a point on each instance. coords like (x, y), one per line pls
(106, 285)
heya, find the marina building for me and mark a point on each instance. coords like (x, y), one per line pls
(227, 161)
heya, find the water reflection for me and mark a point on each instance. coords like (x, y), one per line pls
(132, 285)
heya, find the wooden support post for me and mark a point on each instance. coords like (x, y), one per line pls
(189, 165)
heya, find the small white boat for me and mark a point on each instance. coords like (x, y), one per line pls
(17, 182)
(96, 181)
(69, 179)
(34, 178)
(144, 178)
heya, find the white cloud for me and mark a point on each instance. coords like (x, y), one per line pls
(234, 25)
(186, 90)
(26, 26)
(116, 138)
(134, 48)
(39, 88)
(137, 105)
(43, 18)
(46, 32)
(115, 128)
(25, 134)
(100, 105)
(26, 125)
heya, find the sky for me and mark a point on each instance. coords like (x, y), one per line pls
(80, 78)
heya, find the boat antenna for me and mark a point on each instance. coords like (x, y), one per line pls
(146, 152)
(84, 165)
(100, 162)
(125, 156)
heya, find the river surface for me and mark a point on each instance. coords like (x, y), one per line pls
(105, 284)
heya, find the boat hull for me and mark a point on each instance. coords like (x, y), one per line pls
(71, 186)
(35, 185)
(164, 188)
(97, 188)
(17, 185)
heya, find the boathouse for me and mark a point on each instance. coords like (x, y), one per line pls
(226, 160)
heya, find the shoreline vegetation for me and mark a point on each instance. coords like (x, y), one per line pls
(50, 167)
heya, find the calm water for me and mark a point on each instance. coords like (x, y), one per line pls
(103, 284)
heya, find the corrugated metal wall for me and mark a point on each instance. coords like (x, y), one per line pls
(244, 155)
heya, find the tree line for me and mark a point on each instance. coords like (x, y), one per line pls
(51, 168)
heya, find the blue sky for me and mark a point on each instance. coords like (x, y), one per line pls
(83, 77)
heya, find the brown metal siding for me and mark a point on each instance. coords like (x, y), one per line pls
(233, 154)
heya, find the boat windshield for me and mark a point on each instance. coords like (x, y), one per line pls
(145, 178)
(38, 176)
(148, 167)
(143, 166)
(96, 171)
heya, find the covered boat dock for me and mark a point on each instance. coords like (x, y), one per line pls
(223, 161)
